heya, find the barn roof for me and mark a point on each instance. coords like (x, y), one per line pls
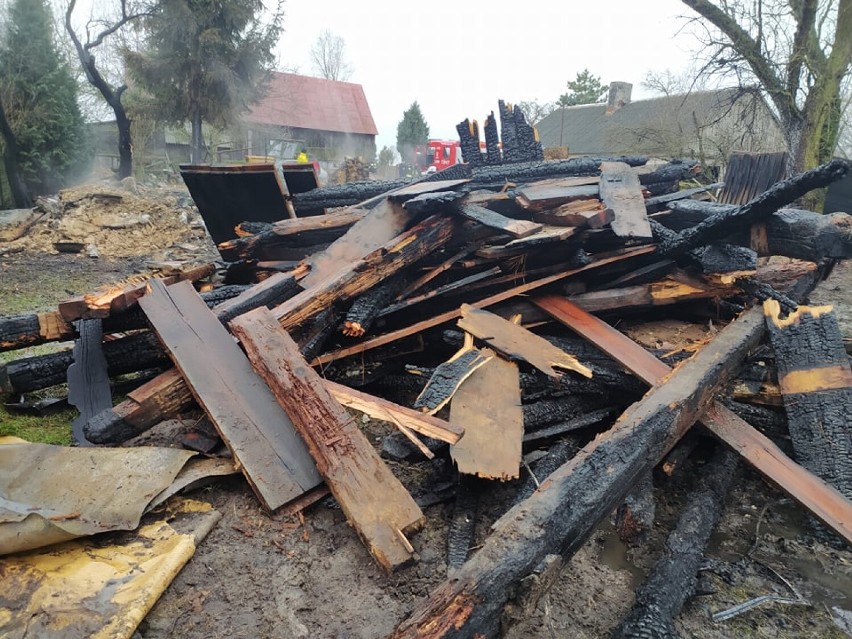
(303, 102)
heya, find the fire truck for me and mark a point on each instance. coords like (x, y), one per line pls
(437, 155)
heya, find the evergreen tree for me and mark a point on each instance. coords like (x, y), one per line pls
(204, 61)
(39, 97)
(584, 89)
(411, 131)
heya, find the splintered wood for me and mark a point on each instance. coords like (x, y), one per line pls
(449, 376)
(373, 500)
(488, 406)
(255, 428)
(517, 343)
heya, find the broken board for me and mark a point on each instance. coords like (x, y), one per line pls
(449, 376)
(488, 406)
(621, 192)
(374, 501)
(255, 428)
(548, 194)
(486, 217)
(517, 343)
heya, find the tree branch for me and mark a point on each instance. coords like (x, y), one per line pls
(805, 12)
(750, 51)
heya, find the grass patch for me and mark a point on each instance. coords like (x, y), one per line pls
(52, 429)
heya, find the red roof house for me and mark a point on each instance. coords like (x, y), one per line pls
(332, 118)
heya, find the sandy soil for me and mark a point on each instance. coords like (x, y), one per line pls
(257, 575)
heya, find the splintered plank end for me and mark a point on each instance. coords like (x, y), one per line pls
(517, 343)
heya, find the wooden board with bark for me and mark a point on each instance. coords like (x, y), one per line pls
(244, 411)
(373, 500)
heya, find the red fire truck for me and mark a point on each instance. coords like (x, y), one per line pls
(437, 155)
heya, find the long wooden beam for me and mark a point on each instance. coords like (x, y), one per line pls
(569, 504)
(818, 497)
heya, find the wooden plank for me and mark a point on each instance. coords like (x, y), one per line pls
(383, 223)
(358, 276)
(437, 320)
(488, 407)
(548, 194)
(621, 192)
(486, 217)
(518, 343)
(823, 501)
(255, 428)
(382, 409)
(548, 235)
(88, 380)
(816, 384)
(374, 501)
(584, 213)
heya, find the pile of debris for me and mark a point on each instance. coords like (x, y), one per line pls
(441, 307)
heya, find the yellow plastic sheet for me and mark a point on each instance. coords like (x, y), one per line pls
(100, 587)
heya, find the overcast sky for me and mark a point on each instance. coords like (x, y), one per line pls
(458, 58)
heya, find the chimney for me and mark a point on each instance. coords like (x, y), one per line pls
(619, 95)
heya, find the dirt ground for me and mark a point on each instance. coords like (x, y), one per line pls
(259, 576)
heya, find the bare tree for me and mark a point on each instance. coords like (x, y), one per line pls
(328, 56)
(96, 33)
(796, 51)
(536, 111)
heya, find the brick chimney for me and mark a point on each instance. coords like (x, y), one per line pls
(619, 95)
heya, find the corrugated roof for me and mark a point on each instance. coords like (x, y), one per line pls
(303, 102)
(634, 128)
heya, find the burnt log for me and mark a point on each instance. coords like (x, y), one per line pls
(816, 383)
(634, 517)
(564, 511)
(462, 525)
(508, 132)
(366, 308)
(672, 579)
(528, 171)
(21, 331)
(126, 355)
(526, 138)
(285, 235)
(783, 193)
(316, 200)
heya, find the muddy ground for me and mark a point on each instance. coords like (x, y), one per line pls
(276, 576)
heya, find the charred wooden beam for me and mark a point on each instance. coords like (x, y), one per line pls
(824, 501)
(303, 231)
(402, 251)
(367, 307)
(526, 138)
(528, 171)
(469, 142)
(130, 354)
(381, 340)
(634, 517)
(88, 378)
(508, 132)
(462, 525)
(672, 579)
(492, 140)
(816, 383)
(591, 484)
(562, 428)
(448, 376)
(327, 197)
(720, 225)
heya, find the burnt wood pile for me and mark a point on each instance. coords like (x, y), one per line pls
(474, 311)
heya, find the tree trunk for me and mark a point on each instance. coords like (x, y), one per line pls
(196, 145)
(125, 145)
(20, 193)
